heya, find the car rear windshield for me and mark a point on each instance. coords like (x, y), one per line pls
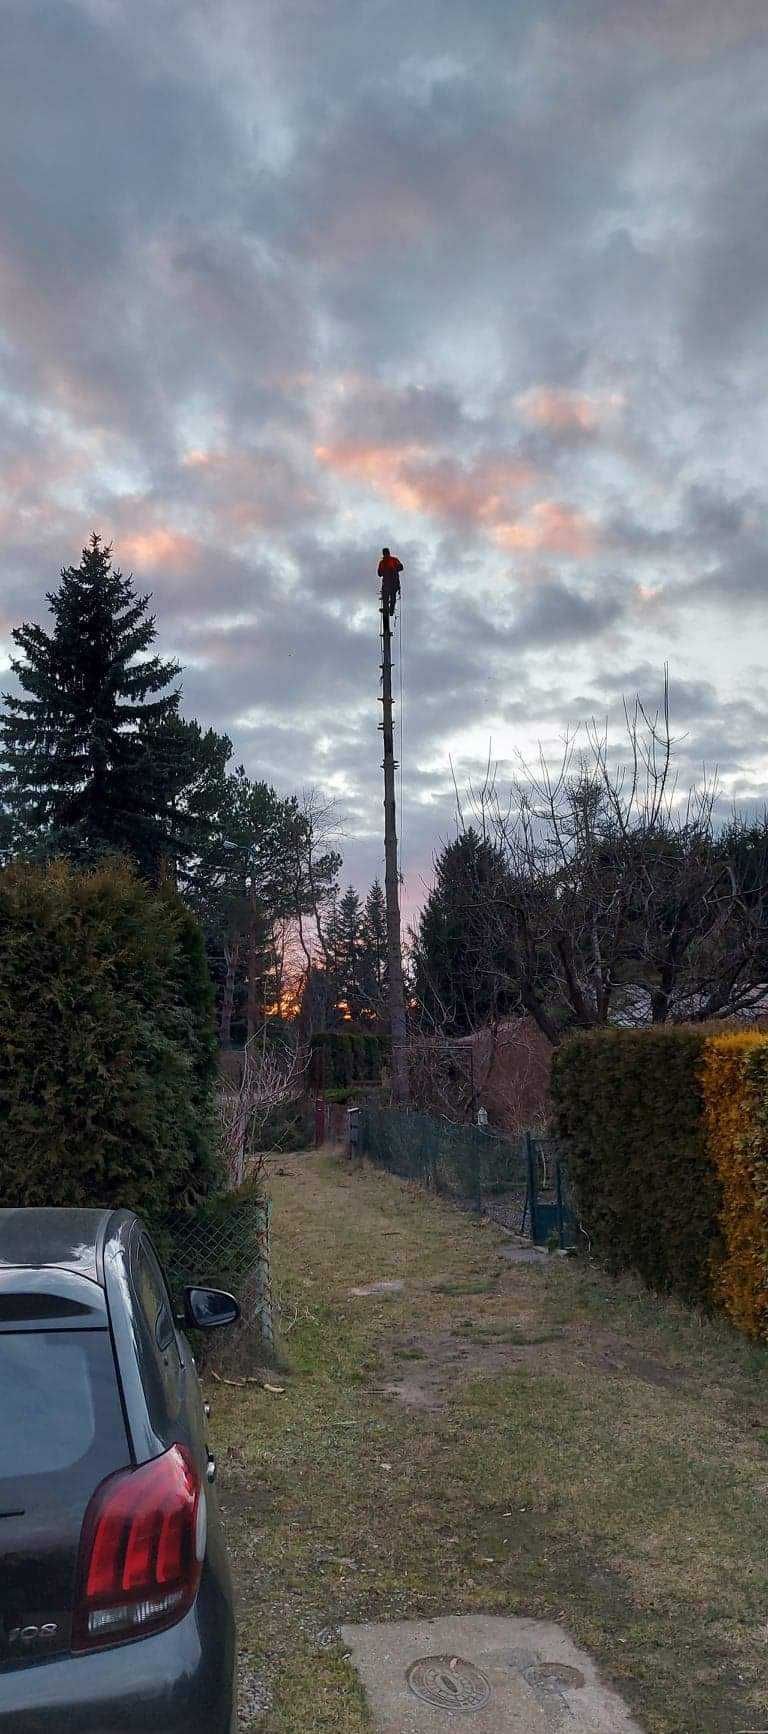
(60, 1412)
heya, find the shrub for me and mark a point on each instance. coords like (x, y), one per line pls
(667, 1135)
(107, 1049)
(286, 1128)
(341, 1059)
(353, 1093)
(225, 1243)
(198, 1006)
(348, 1056)
(629, 1105)
(735, 1091)
(372, 1059)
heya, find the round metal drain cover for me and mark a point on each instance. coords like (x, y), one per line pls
(555, 1674)
(448, 1683)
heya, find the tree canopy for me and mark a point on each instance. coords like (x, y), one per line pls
(619, 899)
(94, 756)
(460, 984)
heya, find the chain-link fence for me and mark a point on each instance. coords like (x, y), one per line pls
(521, 1183)
(225, 1244)
(470, 1164)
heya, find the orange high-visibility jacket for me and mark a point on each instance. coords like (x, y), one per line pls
(390, 566)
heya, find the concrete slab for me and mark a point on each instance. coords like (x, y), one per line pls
(483, 1674)
(392, 1287)
(524, 1254)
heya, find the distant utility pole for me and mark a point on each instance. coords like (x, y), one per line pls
(397, 1020)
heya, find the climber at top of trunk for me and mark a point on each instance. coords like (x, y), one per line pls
(389, 572)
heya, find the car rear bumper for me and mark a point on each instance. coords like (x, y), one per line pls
(177, 1682)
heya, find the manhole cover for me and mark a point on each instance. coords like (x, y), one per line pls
(448, 1683)
(555, 1674)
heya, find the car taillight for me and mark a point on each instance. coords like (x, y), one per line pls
(141, 1551)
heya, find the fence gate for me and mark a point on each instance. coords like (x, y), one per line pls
(521, 1183)
(550, 1213)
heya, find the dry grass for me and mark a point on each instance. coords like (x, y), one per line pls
(578, 1451)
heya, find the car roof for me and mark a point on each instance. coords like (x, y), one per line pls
(65, 1239)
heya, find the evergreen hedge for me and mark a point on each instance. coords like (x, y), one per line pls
(628, 1103)
(107, 1044)
(735, 1090)
(341, 1059)
(667, 1138)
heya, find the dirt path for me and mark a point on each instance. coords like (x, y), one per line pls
(480, 1436)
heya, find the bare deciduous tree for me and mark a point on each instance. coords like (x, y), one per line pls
(443, 1078)
(271, 1076)
(619, 900)
(315, 863)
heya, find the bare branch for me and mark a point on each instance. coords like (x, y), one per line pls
(271, 1076)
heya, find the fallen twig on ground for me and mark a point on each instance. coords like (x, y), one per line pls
(251, 1379)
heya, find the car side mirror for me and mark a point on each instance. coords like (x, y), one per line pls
(207, 1308)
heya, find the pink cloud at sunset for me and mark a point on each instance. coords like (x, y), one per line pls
(378, 466)
(649, 597)
(168, 550)
(562, 411)
(689, 30)
(551, 528)
(250, 488)
(280, 283)
(480, 492)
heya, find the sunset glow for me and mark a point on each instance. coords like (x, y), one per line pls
(281, 285)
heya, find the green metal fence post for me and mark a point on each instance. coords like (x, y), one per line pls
(559, 1195)
(478, 1171)
(532, 1183)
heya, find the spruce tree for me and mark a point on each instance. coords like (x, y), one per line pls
(374, 956)
(349, 936)
(88, 748)
(464, 962)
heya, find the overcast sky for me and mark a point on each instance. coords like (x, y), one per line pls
(284, 280)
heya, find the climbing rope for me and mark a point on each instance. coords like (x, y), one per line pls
(401, 612)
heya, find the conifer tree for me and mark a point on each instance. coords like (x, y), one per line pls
(349, 937)
(374, 955)
(463, 971)
(89, 747)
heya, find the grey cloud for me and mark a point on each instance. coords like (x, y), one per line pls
(556, 614)
(233, 233)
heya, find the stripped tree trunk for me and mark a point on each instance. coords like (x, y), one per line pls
(231, 958)
(397, 1018)
(253, 1019)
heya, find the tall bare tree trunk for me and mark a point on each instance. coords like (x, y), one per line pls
(252, 1005)
(232, 958)
(397, 1018)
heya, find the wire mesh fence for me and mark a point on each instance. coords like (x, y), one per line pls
(520, 1182)
(470, 1164)
(226, 1244)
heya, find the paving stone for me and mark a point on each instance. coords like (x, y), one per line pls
(484, 1674)
(524, 1254)
(393, 1287)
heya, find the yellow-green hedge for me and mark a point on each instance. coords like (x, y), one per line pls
(734, 1077)
(667, 1137)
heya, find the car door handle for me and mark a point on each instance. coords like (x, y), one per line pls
(211, 1469)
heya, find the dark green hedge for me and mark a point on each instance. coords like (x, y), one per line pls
(340, 1059)
(361, 1093)
(107, 1044)
(628, 1105)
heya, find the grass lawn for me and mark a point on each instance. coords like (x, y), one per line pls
(523, 1439)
